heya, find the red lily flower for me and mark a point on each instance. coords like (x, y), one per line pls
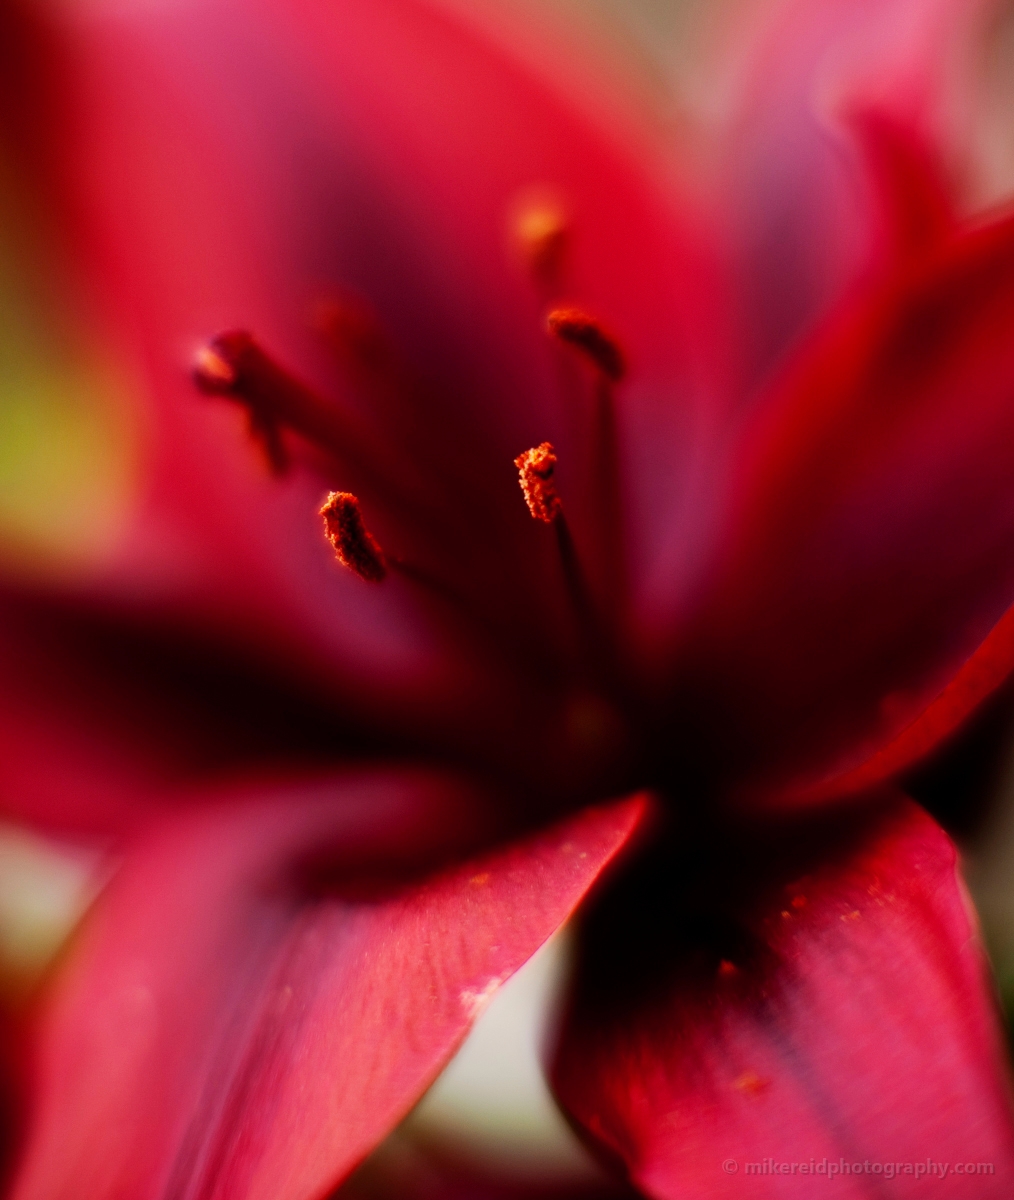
(765, 573)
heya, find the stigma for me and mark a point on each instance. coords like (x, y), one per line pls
(355, 547)
(586, 334)
(536, 468)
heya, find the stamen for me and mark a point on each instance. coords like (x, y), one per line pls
(542, 231)
(233, 364)
(221, 369)
(579, 329)
(536, 468)
(354, 545)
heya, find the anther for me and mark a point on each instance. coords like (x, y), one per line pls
(235, 365)
(541, 228)
(354, 545)
(536, 468)
(577, 328)
(214, 373)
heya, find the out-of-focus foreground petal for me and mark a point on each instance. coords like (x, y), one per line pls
(103, 718)
(249, 1008)
(812, 1006)
(871, 546)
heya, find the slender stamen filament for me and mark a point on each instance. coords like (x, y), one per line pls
(586, 334)
(537, 468)
(354, 545)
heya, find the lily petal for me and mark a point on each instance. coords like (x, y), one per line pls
(871, 549)
(915, 197)
(103, 719)
(249, 1009)
(823, 1002)
(838, 161)
(810, 228)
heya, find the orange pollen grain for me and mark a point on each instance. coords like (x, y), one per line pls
(536, 468)
(355, 547)
(584, 332)
(751, 1083)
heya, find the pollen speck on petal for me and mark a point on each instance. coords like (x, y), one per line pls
(354, 545)
(577, 328)
(751, 1083)
(536, 468)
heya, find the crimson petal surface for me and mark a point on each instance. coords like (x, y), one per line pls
(828, 1004)
(259, 996)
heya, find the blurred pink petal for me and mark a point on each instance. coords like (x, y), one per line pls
(809, 226)
(831, 1004)
(875, 498)
(783, 573)
(268, 985)
(916, 204)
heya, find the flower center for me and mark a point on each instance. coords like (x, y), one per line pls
(235, 365)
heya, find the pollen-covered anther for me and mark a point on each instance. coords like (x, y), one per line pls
(354, 545)
(584, 332)
(536, 468)
(542, 229)
(216, 368)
